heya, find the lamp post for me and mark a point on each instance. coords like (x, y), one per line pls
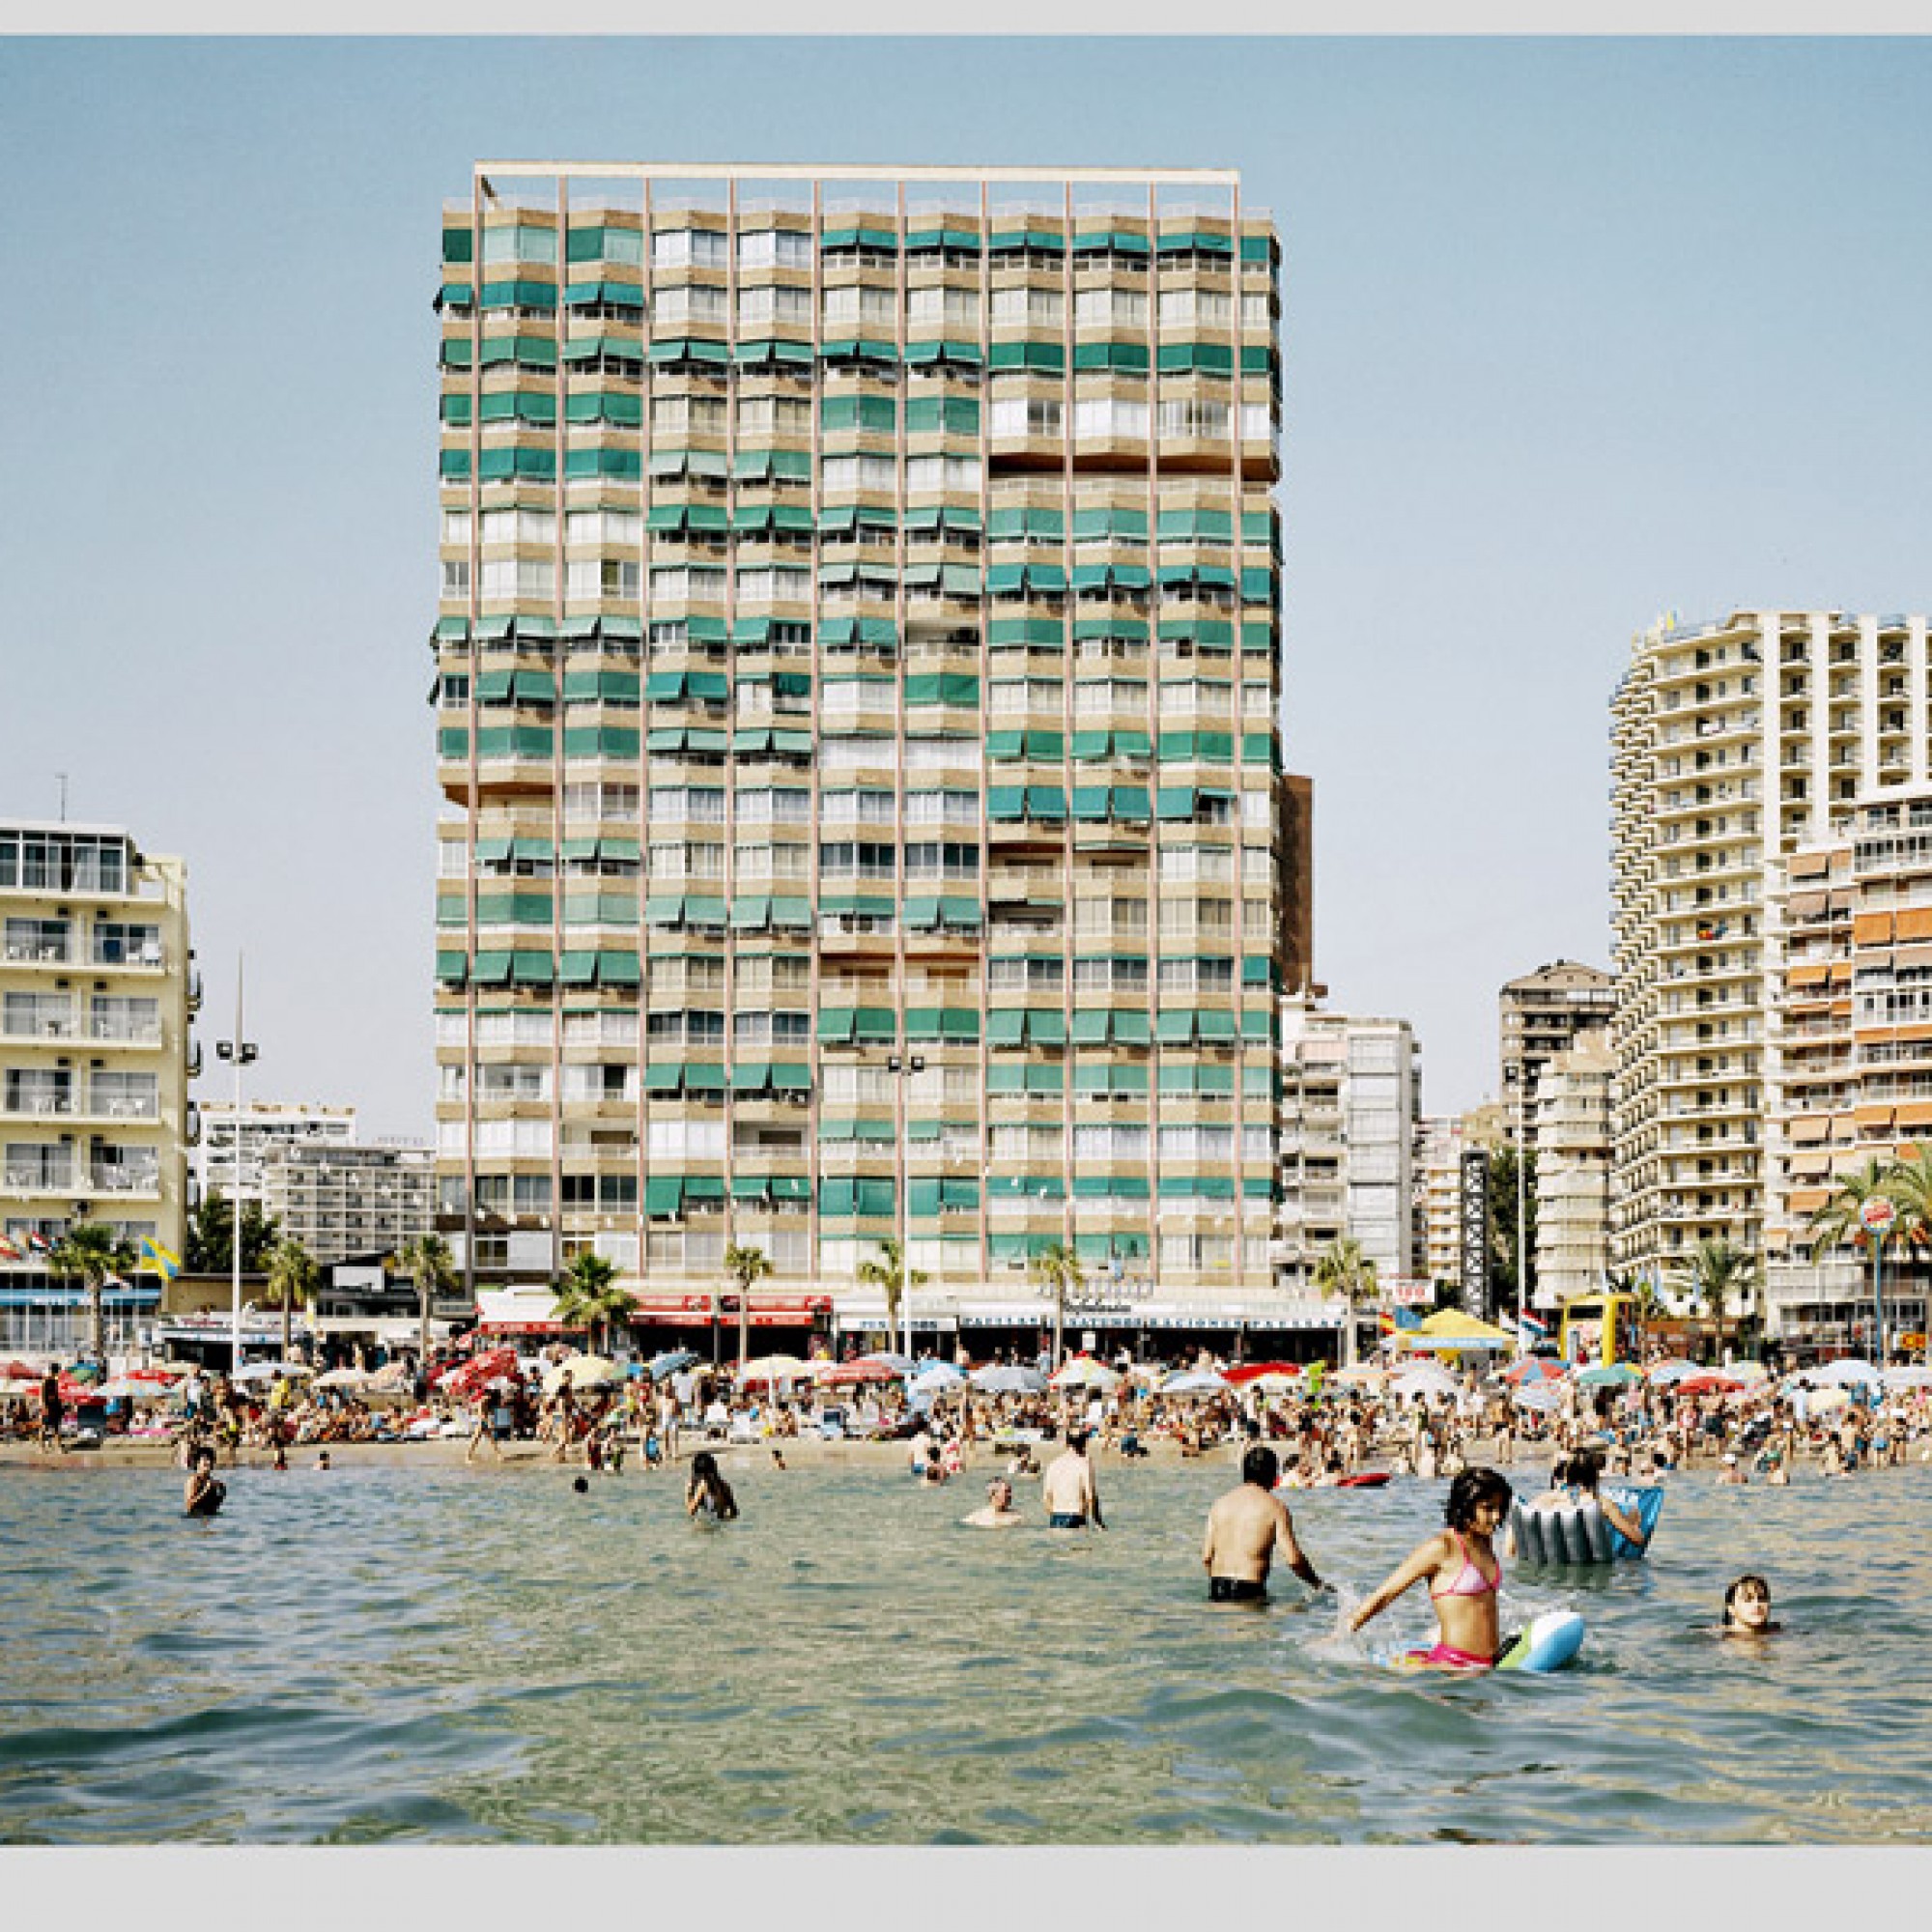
(242, 1052)
(912, 1063)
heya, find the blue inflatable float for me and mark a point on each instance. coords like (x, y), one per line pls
(1581, 1533)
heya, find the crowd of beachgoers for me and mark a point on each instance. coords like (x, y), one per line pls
(1422, 1417)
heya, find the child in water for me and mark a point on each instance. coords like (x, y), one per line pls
(707, 1495)
(203, 1495)
(1747, 1608)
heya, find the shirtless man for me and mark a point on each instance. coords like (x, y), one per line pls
(1067, 1489)
(1245, 1528)
(999, 1512)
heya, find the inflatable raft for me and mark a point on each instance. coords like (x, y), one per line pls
(1582, 1534)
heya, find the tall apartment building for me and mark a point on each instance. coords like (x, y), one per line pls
(856, 717)
(1438, 1164)
(1733, 743)
(1352, 1110)
(96, 988)
(344, 1202)
(1541, 1015)
(1572, 1171)
(1849, 1078)
(265, 1128)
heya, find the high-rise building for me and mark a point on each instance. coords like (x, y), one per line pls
(1848, 1058)
(266, 1127)
(1733, 742)
(856, 704)
(345, 1202)
(1350, 1114)
(1439, 1188)
(1572, 1171)
(1542, 1013)
(96, 987)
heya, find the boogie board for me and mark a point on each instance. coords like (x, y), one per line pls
(1372, 1479)
(1547, 1643)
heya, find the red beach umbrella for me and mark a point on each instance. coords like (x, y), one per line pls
(1709, 1383)
(1245, 1373)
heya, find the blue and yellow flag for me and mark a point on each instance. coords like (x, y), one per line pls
(157, 1259)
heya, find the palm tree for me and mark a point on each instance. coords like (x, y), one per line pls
(92, 1251)
(746, 1265)
(1059, 1268)
(589, 1296)
(1343, 1268)
(1909, 1184)
(293, 1279)
(892, 1276)
(430, 1265)
(1710, 1272)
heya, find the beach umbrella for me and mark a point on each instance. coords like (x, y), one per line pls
(854, 1375)
(672, 1361)
(584, 1371)
(774, 1369)
(17, 1372)
(1195, 1382)
(1245, 1373)
(1541, 1397)
(1826, 1398)
(1084, 1372)
(1844, 1373)
(1749, 1371)
(342, 1378)
(1707, 1381)
(936, 1376)
(1277, 1381)
(1534, 1369)
(1895, 1380)
(1009, 1381)
(1427, 1379)
(1612, 1375)
(1362, 1376)
(901, 1365)
(1673, 1372)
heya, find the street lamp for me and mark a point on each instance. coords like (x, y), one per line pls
(911, 1063)
(242, 1052)
(1876, 1215)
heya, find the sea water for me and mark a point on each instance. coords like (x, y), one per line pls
(456, 1655)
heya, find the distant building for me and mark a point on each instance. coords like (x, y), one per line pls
(1849, 1056)
(1572, 1171)
(266, 1126)
(96, 991)
(344, 1202)
(1440, 1198)
(1351, 1091)
(1542, 1013)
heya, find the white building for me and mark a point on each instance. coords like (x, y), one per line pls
(1572, 1137)
(267, 1126)
(1440, 1198)
(342, 1201)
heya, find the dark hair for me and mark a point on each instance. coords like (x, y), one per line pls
(1076, 1440)
(582, 1485)
(1470, 1488)
(703, 1467)
(1259, 1466)
(1581, 1469)
(1750, 1580)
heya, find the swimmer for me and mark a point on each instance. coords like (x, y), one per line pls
(999, 1512)
(202, 1494)
(1245, 1528)
(323, 1465)
(778, 1458)
(1462, 1592)
(582, 1485)
(1067, 1488)
(1747, 1608)
(1732, 1471)
(934, 1470)
(707, 1494)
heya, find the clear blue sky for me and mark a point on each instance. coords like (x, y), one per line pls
(1575, 332)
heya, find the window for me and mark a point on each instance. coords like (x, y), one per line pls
(601, 801)
(956, 311)
(681, 581)
(942, 808)
(1196, 308)
(510, 577)
(774, 249)
(679, 416)
(518, 244)
(923, 473)
(774, 584)
(1190, 416)
(1109, 418)
(1038, 307)
(603, 577)
(1025, 416)
(769, 302)
(1110, 308)
(773, 415)
(849, 308)
(688, 248)
(839, 474)
(602, 526)
(456, 526)
(455, 581)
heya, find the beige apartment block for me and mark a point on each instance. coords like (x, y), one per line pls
(1850, 1078)
(1541, 1015)
(1573, 1170)
(1733, 743)
(1439, 1191)
(857, 703)
(96, 988)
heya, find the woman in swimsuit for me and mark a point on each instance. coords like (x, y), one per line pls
(1464, 1575)
(707, 1495)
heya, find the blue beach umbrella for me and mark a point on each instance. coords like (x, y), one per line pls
(1614, 1375)
(672, 1360)
(1009, 1381)
(936, 1376)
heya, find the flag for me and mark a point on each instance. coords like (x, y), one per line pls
(38, 1244)
(157, 1259)
(9, 1250)
(1530, 1328)
(1386, 1321)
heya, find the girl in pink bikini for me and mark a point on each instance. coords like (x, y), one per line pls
(1465, 1575)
